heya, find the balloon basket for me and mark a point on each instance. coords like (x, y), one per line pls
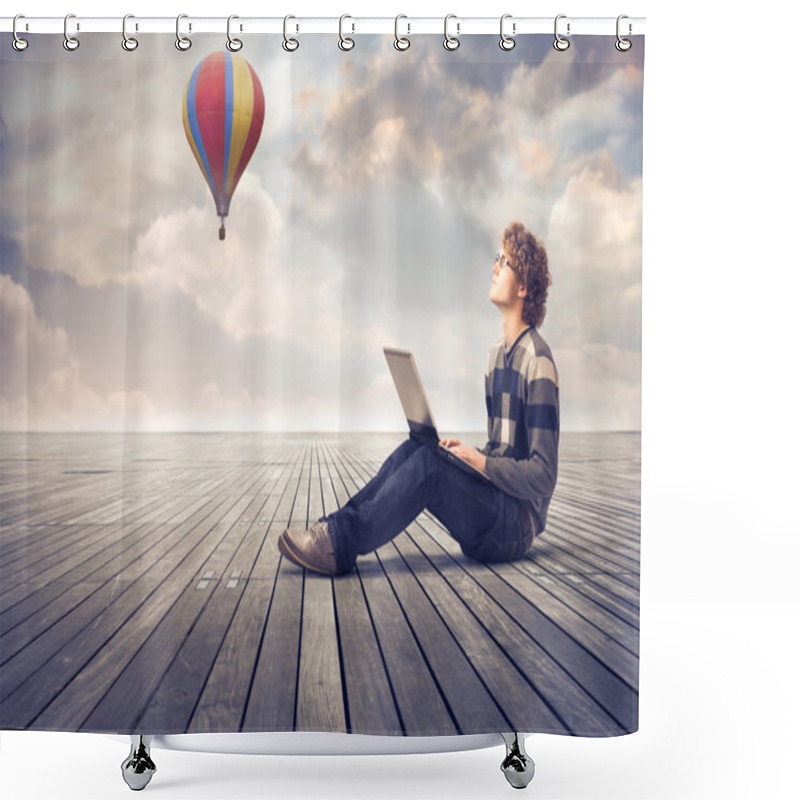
(222, 233)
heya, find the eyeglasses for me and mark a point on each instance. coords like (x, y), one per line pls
(501, 260)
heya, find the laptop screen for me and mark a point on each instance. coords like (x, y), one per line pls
(412, 394)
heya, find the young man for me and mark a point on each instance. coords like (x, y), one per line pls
(494, 521)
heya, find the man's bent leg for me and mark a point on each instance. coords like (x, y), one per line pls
(313, 548)
(387, 505)
(490, 525)
(392, 463)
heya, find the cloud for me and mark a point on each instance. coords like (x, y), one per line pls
(594, 244)
(369, 215)
(30, 348)
(599, 388)
(238, 283)
(596, 224)
(42, 386)
(401, 123)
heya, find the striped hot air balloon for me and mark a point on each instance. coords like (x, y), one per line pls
(223, 111)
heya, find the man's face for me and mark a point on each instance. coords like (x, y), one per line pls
(506, 289)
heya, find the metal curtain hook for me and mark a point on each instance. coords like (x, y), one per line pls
(129, 43)
(401, 42)
(19, 43)
(561, 44)
(70, 42)
(623, 45)
(506, 42)
(289, 45)
(182, 42)
(451, 42)
(234, 45)
(345, 42)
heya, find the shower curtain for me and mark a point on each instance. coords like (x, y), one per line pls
(204, 253)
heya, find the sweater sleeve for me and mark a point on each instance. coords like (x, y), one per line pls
(533, 479)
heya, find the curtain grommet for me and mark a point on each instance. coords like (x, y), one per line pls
(451, 43)
(290, 44)
(623, 45)
(129, 43)
(401, 43)
(346, 43)
(507, 42)
(70, 43)
(182, 43)
(19, 44)
(233, 44)
(561, 43)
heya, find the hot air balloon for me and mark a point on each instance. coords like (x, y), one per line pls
(223, 111)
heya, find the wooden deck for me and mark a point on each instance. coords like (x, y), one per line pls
(141, 590)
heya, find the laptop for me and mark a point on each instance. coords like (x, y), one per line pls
(417, 409)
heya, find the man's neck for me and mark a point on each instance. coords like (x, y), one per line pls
(513, 326)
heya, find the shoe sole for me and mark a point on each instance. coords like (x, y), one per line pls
(285, 546)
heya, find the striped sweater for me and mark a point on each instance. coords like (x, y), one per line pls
(522, 404)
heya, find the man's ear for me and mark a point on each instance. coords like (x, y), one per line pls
(522, 291)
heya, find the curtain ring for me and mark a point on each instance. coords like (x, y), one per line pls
(506, 42)
(183, 43)
(401, 42)
(129, 43)
(623, 45)
(234, 45)
(289, 45)
(561, 44)
(451, 42)
(70, 42)
(345, 42)
(19, 43)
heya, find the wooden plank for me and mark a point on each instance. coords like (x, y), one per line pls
(272, 701)
(616, 657)
(222, 700)
(608, 624)
(364, 647)
(76, 677)
(49, 536)
(320, 702)
(27, 599)
(516, 698)
(418, 696)
(201, 691)
(370, 704)
(68, 546)
(122, 705)
(95, 611)
(590, 585)
(564, 643)
(138, 682)
(567, 698)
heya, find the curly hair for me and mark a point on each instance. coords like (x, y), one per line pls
(528, 258)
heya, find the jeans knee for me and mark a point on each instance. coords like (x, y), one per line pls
(428, 464)
(408, 448)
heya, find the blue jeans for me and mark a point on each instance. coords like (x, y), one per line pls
(490, 525)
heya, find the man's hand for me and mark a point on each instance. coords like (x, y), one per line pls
(470, 454)
(448, 443)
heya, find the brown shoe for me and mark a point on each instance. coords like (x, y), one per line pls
(312, 549)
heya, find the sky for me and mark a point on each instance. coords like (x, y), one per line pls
(369, 215)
